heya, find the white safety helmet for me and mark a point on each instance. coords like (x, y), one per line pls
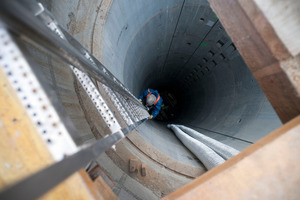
(150, 100)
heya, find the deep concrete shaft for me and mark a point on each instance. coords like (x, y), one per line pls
(181, 48)
(178, 47)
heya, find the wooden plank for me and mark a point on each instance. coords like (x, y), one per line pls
(285, 19)
(105, 190)
(265, 29)
(268, 169)
(278, 90)
(261, 48)
(78, 186)
(292, 69)
(23, 152)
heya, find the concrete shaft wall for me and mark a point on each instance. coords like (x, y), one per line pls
(175, 44)
(182, 45)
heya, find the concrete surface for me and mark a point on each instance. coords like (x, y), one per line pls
(167, 143)
(125, 187)
(182, 45)
(174, 44)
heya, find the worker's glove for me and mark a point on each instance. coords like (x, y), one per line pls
(151, 116)
(141, 100)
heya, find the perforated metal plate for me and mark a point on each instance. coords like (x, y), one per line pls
(118, 105)
(34, 98)
(97, 100)
(88, 85)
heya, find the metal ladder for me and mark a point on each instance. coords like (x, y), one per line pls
(29, 21)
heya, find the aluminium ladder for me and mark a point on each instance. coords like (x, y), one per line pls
(27, 21)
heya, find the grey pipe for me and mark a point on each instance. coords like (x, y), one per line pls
(206, 155)
(223, 150)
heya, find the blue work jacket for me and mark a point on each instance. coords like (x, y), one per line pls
(156, 108)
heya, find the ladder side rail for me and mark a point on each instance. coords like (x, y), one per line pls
(31, 187)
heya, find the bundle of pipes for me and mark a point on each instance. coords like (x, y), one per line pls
(209, 151)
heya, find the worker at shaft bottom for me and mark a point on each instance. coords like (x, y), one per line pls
(152, 100)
